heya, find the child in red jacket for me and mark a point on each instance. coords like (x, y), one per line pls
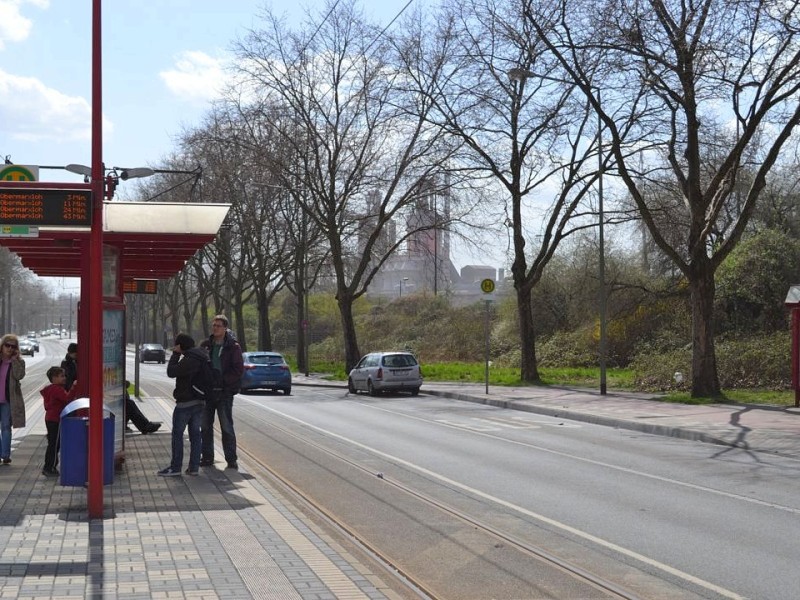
(55, 399)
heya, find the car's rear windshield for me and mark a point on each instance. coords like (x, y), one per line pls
(399, 360)
(264, 359)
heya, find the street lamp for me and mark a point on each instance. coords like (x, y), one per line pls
(401, 286)
(519, 75)
(126, 174)
(113, 175)
(77, 169)
(91, 328)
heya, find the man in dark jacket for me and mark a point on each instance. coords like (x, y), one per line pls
(186, 360)
(70, 365)
(226, 358)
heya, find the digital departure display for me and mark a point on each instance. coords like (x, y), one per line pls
(140, 286)
(45, 207)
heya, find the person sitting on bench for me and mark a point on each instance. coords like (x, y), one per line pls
(134, 415)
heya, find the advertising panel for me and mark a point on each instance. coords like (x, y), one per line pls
(114, 368)
(111, 272)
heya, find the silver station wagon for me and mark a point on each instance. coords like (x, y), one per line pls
(386, 371)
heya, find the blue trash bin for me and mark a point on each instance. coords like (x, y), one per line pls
(74, 461)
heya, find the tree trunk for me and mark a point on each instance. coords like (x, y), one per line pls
(238, 310)
(264, 333)
(705, 380)
(529, 371)
(205, 318)
(187, 305)
(351, 352)
(175, 322)
(302, 329)
(152, 334)
(266, 329)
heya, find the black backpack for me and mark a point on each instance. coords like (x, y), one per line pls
(203, 381)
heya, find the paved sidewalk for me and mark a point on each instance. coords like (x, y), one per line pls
(751, 427)
(222, 534)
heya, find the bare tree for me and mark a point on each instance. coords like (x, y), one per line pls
(240, 261)
(302, 266)
(365, 146)
(779, 206)
(284, 245)
(523, 128)
(178, 180)
(694, 91)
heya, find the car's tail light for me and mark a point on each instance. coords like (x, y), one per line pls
(284, 367)
(248, 366)
(379, 374)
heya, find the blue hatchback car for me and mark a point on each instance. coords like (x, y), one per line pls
(266, 370)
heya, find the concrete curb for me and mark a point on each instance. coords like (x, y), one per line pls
(584, 417)
(662, 430)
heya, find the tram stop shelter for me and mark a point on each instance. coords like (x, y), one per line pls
(152, 240)
(143, 242)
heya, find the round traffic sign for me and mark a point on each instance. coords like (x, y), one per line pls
(16, 173)
(487, 286)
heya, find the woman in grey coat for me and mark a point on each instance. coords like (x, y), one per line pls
(12, 405)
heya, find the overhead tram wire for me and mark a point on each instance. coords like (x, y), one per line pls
(397, 16)
(316, 31)
(377, 37)
(370, 45)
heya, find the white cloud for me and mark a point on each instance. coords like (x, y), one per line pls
(196, 77)
(30, 111)
(13, 26)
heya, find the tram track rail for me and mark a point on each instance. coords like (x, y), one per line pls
(273, 450)
(603, 585)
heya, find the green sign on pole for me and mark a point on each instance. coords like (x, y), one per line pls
(18, 231)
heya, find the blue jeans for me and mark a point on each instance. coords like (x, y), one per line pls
(223, 407)
(181, 417)
(5, 430)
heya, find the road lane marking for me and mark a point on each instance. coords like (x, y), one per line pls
(480, 426)
(691, 486)
(526, 423)
(509, 505)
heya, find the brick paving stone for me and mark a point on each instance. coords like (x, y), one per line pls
(158, 539)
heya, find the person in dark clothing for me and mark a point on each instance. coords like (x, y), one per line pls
(70, 366)
(226, 359)
(55, 399)
(186, 360)
(134, 415)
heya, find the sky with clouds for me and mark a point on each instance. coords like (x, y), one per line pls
(163, 62)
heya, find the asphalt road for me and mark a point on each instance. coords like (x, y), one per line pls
(473, 501)
(660, 517)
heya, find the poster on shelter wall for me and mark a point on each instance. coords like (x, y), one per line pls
(110, 272)
(114, 368)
